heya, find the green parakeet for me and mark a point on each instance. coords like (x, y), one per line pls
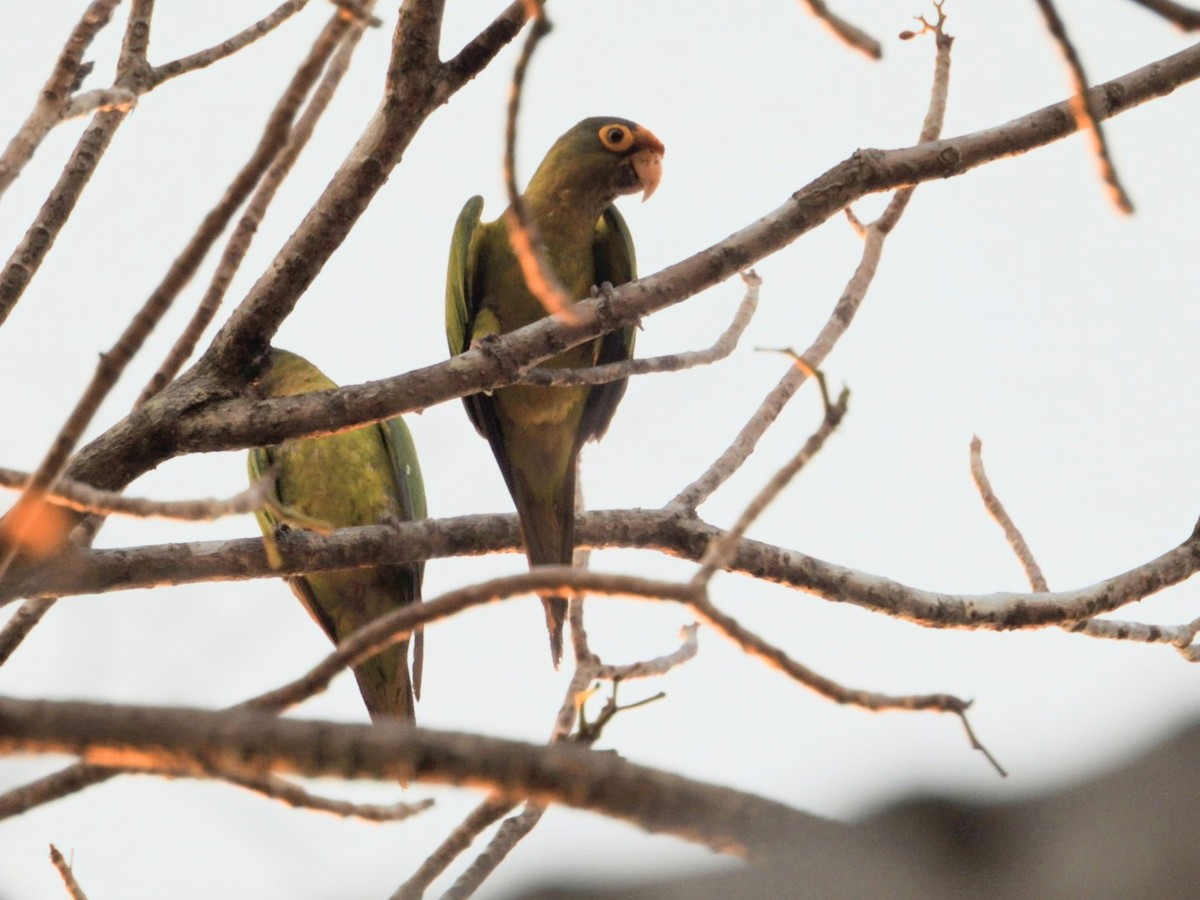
(536, 432)
(359, 477)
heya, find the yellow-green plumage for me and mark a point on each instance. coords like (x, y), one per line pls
(358, 477)
(536, 432)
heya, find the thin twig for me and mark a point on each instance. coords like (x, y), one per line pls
(398, 624)
(1186, 18)
(180, 273)
(1033, 572)
(55, 95)
(68, 877)
(486, 813)
(839, 320)
(674, 362)
(99, 100)
(26, 618)
(276, 788)
(1085, 117)
(523, 232)
(85, 498)
(345, 39)
(23, 621)
(29, 254)
(588, 667)
(28, 514)
(1179, 636)
(505, 839)
(851, 35)
(652, 668)
(229, 46)
(724, 548)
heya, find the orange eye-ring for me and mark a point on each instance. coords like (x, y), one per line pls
(617, 138)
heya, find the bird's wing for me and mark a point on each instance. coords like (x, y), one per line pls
(616, 263)
(464, 289)
(461, 306)
(402, 453)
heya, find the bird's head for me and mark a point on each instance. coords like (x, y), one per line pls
(602, 158)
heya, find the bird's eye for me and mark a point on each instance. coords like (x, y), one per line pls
(616, 137)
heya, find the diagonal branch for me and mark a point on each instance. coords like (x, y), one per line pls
(849, 34)
(340, 35)
(1184, 17)
(1016, 540)
(64, 872)
(229, 46)
(1086, 119)
(55, 96)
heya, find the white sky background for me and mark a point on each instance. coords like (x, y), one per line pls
(1012, 302)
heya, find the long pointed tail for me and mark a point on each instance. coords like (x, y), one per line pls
(547, 513)
(385, 684)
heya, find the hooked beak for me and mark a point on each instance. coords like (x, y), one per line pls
(647, 162)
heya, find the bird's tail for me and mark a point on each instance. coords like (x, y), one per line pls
(385, 684)
(547, 514)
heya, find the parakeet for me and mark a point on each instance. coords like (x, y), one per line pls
(536, 432)
(359, 477)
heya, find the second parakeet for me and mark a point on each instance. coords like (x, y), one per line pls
(536, 432)
(358, 477)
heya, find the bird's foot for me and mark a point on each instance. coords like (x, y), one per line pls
(604, 311)
(489, 344)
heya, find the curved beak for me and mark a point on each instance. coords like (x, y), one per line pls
(647, 162)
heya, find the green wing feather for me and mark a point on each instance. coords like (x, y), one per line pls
(616, 263)
(461, 306)
(403, 455)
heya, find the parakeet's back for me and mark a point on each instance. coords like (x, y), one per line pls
(359, 477)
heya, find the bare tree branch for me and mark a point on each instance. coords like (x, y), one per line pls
(276, 788)
(270, 145)
(523, 233)
(68, 877)
(255, 743)
(1085, 117)
(55, 96)
(1186, 18)
(851, 35)
(230, 424)
(229, 46)
(337, 35)
(674, 362)
(485, 814)
(511, 832)
(672, 532)
(1033, 572)
(651, 668)
(843, 312)
(1179, 636)
(23, 621)
(100, 100)
(723, 549)
(85, 498)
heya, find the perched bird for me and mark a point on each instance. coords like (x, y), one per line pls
(536, 432)
(359, 477)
